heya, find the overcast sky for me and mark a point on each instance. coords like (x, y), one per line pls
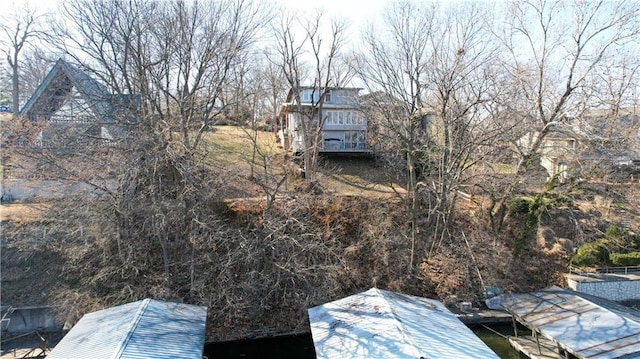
(357, 11)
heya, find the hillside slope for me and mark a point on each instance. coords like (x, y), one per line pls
(259, 273)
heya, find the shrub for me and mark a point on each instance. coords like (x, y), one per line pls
(520, 205)
(592, 254)
(532, 209)
(616, 232)
(624, 239)
(625, 259)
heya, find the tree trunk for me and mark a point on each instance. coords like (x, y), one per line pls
(15, 105)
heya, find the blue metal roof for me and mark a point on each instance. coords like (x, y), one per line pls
(144, 329)
(383, 324)
(586, 326)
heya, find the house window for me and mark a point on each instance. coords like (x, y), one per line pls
(327, 97)
(332, 117)
(306, 96)
(328, 117)
(354, 140)
(425, 121)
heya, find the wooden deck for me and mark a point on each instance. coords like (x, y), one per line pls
(529, 347)
(482, 316)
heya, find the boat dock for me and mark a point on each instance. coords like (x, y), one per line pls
(535, 348)
(483, 316)
(565, 321)
(384, 324)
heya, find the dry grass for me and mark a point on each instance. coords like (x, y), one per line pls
(23, 212)
(359, 176)
(232, 148)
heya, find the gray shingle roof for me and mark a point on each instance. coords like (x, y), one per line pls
(59, 83)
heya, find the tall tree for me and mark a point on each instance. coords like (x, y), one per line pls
(18, 31)
(614, 112)
(172, 63)
(428, 67)
(552, 58)
(394, 69)
(308, 62)
(552, 49)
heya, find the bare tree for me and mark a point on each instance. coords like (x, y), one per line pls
(22, 28)
(276, 83)
(169, 63)
(394, 68)
(429, 67)
(612, 117)
(311, 61)
(35, 63)
(561, 55)
(553, 48)
(257, 89)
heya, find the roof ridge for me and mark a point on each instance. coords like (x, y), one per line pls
(123, 345)
(402, 327)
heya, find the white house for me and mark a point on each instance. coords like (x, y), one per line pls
(558, 152)
(598, 140)
(344, 126)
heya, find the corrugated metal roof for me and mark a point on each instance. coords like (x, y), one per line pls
(383, 324)
(586, 326)
(144, 329)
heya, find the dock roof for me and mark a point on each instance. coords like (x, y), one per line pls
(584, 325)
(144, 329)
(383, 324)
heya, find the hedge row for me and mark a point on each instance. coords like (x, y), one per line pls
(618, 248)
(625, 259)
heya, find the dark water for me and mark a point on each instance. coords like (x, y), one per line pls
(497, 342)
(301, 346)
(284, 347)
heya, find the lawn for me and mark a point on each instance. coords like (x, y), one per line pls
(231, 146)
(230, 149)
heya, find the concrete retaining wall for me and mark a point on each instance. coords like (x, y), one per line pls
(27, 190)
(29, 319)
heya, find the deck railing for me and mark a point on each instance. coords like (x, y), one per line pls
(604, 270)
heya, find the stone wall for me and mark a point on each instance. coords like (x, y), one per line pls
(612, 290)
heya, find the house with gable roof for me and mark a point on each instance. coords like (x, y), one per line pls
(597, 142)
(77, 110)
